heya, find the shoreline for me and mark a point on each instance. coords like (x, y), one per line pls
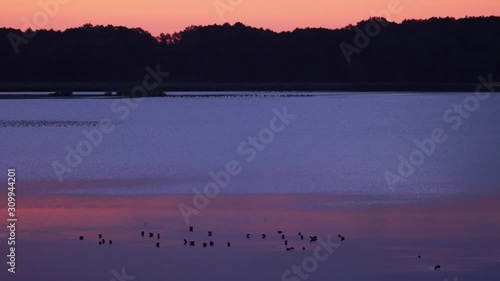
(238, 86)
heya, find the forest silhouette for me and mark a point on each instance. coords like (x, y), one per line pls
(435, 50)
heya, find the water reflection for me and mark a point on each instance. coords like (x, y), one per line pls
(458, 233)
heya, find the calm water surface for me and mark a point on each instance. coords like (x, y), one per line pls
(340, 143)
(323, 174)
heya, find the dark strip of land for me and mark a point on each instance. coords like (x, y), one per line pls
(225, 87)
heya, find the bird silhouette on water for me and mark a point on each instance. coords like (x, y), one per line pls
(185, 241)
(437, 267)
(110, 242)
(229, 244)
(151, 234)
(158, 235)
(157, 244)
(248, 235)
(211, 243)
(263, 236)
(190, 229)
(280, 232)
(210, 234)
(100, 236)
(191, 243)
(81, 237)
(142, 233)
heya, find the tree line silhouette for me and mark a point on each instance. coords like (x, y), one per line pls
(429, 51)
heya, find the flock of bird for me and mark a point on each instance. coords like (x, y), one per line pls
(101, 240)
(192, 243)
(212, 243)
(262, 236)
(47, 123)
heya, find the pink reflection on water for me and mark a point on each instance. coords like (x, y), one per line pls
(457, 232)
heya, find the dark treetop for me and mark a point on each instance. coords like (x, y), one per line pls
(420, 51)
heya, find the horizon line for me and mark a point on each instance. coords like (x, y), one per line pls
(257, 27)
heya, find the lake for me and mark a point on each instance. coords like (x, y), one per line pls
(399, 174)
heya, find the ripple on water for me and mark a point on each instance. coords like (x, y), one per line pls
(48, 123)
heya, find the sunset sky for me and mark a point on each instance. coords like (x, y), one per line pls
(168, 16)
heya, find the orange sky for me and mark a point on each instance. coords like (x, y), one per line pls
(168, 16)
